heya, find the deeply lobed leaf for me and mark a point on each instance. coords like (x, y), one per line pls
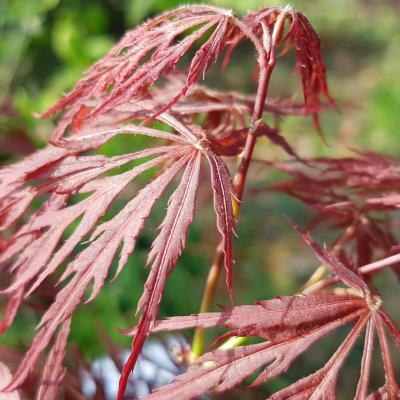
(116, 96)
(286, 324)
(39, 248)
(289, 326)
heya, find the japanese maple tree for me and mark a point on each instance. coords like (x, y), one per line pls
(142, 87)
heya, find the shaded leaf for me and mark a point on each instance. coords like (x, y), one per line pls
(345, 274)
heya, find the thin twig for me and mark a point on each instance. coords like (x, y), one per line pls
(267, 64)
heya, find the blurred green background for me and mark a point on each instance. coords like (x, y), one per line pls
(45, 45)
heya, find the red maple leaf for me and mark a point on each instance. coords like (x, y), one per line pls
(288, 327)
(119, 95)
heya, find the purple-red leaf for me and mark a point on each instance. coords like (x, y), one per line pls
(270, 318)
(345, 274)
(223, 192)
(117, 96)
(93, 263)
(125, 73)
(163, 257)
(54, 371)
(289, 326)
(14, 302)
(294, 332)
(322, 384)
(366, 361)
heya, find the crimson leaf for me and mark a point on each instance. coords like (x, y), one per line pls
(289, 326)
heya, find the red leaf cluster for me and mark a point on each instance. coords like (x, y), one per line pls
(357, 196)
(122, 95)
(153, 50)
(289, 326)
(38, 243)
